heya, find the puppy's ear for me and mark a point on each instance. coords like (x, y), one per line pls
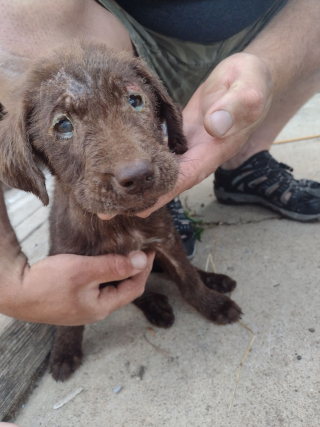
(168, 111)
(17, 166)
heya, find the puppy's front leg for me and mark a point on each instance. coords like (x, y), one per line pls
(66, 353)
(199, 290)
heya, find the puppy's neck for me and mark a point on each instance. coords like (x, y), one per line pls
(73, 230)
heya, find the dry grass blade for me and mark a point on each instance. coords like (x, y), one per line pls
(301, 138)
(160, 350)
(243, 325)
(211, 257)
(68, 398)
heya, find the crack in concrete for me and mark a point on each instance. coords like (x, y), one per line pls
(211, 224)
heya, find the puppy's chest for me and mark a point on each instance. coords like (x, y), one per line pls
(122, 238)
(86, 235)
(124, 242)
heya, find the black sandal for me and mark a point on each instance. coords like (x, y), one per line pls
(183, 225)
(264, 181)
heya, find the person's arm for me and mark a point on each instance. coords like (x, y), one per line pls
(236, 97)
(290, 44)
(8, 425)
(64, 289)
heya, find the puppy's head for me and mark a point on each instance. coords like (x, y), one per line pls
(96, 118)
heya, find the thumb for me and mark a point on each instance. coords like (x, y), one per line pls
(221, 122)
(236, 96)
(112, 298)
(109, 268)
(239, 109)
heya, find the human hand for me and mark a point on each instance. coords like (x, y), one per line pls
(220, 117)
(8, 425)
(64, 289)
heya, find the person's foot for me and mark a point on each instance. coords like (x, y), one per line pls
(262, 180)
(183, 225)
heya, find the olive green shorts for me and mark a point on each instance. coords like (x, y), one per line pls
(181, 65)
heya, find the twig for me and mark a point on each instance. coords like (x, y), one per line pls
(243, 325)
(301, 138)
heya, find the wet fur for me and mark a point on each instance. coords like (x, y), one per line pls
(90, 84)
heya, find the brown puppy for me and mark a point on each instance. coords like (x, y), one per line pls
(95, 118)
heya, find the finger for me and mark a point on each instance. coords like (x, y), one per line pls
(194, 166)
(112, 298)
(108, 268)
(239, 99)
(106, 217)
(240, 108)
(192, 170)
(163, 200)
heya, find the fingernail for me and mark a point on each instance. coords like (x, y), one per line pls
(106, 216)
(221, 122)
(144, 215)
(139, 260)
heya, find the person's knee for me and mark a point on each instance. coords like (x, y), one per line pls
(28, 29)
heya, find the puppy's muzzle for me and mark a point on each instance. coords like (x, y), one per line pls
(135, 176)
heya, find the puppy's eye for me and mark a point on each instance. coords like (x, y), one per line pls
(137, 102)
(63, 127)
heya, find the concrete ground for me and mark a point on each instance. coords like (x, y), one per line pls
(185, 376)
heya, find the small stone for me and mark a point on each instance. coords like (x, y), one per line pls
(117, 390)
(311, 330)
(299, 357)
(141, 372)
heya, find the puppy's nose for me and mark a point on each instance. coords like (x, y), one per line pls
(135, 176)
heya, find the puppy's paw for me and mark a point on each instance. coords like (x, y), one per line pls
(217, 282)
(228, 312)
(157, 310)
(218, 308)
(63, 364)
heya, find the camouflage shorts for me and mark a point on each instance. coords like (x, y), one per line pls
(181, 65)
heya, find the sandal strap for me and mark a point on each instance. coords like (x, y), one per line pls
(263, 177)
(181, 222)
(274, 181)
